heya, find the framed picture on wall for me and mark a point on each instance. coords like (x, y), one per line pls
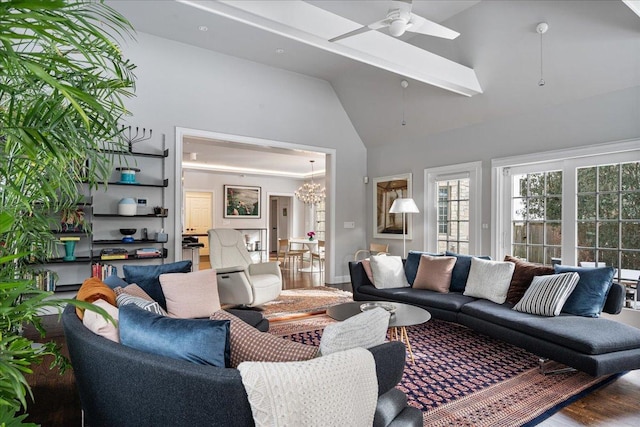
(242, 201)
(385, 190)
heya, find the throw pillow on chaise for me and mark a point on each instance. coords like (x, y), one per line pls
(489, 280)
(547, 294)
(388, 272)
(191, 295)
(147, 277)
(590, 294)
(93, 289)
(460, 272)
(434, 273)
(522, 277)
(412, 263)
(97, 324)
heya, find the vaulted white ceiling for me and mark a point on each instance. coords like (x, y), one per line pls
(591, 48)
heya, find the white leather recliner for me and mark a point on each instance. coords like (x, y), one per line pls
(240, 281)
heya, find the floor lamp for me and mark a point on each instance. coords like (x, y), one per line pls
(404, 206)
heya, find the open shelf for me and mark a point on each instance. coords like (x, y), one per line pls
(129, 216)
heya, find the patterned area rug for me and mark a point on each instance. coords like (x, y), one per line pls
(302, 302)
(462, 378)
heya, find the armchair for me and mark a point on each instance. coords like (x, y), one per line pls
(240, 281)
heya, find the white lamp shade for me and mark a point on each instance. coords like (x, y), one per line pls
(404, 205)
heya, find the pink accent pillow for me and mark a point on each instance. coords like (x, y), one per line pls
(134, 290)
(366, 264)
(99, 325)
(191, 295)
(434, 273)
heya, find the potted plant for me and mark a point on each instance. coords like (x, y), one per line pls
(72, 219)
(62, 84)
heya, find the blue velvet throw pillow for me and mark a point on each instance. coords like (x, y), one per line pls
(147, 277)
(590, 294)
(114, 281)
(460, 272)
(412, 263)
(201, 341)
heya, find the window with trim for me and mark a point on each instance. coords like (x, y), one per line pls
(452, 208)
(581, 209)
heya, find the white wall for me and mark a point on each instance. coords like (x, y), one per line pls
(214, 181)
(184, 86)
(599, 119)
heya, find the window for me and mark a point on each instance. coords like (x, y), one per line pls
(453, 215)
(608, 215)
(584, 208)
(452, 208)
(536, 218)
(320, 220)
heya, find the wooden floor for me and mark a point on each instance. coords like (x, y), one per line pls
(57, 404)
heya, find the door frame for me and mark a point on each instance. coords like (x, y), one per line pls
(330, 183)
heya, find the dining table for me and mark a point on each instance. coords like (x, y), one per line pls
(312, 247)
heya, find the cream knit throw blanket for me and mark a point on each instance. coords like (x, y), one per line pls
(340, 389)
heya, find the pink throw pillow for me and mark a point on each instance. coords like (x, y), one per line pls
(191, 295)
(434, 273)
(366, 264)
(99, 325)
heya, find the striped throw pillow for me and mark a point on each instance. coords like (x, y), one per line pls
(152, 306)
(547, 294)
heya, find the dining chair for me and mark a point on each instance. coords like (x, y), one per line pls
(319, 255)
(284, 249)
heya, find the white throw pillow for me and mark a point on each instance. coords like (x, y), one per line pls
(99, 325)
(388, 272)
(191, 295)
(364, 330)
(340, 389)
(547, 294)
(489, 279)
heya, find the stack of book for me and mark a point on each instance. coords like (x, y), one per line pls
(148, 253)
(102, 271)
(114, 253)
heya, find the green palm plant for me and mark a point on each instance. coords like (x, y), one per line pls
(63, 82)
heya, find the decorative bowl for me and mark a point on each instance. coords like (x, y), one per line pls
(128, 231)
(391, 308)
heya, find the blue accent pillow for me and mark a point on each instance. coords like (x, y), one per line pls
(412, 263)
(114, 281)
(201, 341)
(147, 277)
(590, 294)
(460, 272)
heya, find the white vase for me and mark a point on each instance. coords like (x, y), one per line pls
(127, 206)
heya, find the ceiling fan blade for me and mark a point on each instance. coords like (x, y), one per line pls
(420, 25)
(375, 26)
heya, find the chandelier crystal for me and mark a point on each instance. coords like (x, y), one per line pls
(310, 192)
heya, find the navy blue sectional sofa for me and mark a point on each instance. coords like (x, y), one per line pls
(597, 346)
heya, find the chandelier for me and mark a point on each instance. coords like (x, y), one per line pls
(310, 192)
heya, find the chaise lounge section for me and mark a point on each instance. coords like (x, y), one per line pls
(593, 345)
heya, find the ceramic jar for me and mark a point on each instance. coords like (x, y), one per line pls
(127, 206)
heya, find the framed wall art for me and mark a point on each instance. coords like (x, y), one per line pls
(242, 201)
(385, 190)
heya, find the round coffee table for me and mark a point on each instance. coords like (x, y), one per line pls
(405, 315)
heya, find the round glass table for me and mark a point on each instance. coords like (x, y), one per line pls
(404, 315)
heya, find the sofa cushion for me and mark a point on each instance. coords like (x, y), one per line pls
(340, 389)
(191, 295)
(590, 294)
(453, 301)
(93, 289)
(134, 290)
(388, 272)
(114, 281)
(434, 273)
(412, 263)
(249, 344)
(585, 335)
(522, 277)
(489, 279)
(201, 341)
(97, 324)
(147, 277)
(547, 294)
(365, 330)
(460, 271)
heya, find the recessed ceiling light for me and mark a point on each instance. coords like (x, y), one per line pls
(203, 28)
(279, 50)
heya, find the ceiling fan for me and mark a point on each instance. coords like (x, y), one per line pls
(400, 19)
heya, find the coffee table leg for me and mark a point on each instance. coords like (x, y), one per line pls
(403, 337)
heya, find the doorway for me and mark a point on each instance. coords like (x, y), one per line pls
(281, 219)
(198, 217)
